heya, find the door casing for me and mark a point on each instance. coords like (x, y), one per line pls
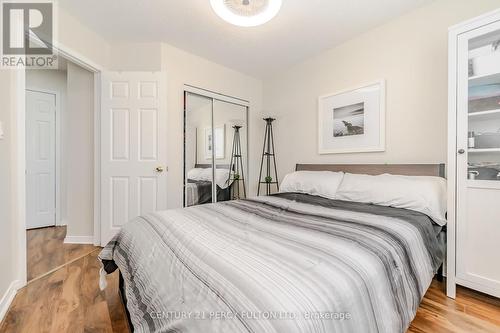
(18, 115)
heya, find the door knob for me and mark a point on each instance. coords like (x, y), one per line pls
(461, 151)
(159, 169)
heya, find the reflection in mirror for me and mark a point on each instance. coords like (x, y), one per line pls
(231, 147)
(223, 145)
(197, 173)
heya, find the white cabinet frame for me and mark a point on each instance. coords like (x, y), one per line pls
(467, 29)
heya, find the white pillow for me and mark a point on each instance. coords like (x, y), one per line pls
(422, 194)
(195, 174)
(320, 183)
(206, 174)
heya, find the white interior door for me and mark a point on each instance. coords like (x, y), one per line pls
(40, 159)
(133, 148)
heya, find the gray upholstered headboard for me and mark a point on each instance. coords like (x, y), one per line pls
(437, 170)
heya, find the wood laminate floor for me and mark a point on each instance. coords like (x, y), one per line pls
(69, 300)
(470, 312)
(46, 250)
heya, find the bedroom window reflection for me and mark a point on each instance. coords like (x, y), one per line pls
(210, 171)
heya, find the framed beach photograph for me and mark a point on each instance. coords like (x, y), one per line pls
(352, 121)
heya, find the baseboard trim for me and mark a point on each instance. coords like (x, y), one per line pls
(61, 223)
(79, 240)
(8, 297)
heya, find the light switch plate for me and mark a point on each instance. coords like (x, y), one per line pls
(1, 130)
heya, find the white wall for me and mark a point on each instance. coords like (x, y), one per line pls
(135, 57)
(410, 52)
(184, 68)
(8, 230)
(78, 150)
(76, 37)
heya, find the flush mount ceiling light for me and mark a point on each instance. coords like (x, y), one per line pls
(246, 13)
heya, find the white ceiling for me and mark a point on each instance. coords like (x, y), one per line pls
(303, 28)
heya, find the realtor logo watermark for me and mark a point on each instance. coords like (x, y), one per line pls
(27, 35)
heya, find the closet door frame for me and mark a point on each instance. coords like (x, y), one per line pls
(213, 96)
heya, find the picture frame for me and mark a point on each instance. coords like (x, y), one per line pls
(220, 142)
(352, 120)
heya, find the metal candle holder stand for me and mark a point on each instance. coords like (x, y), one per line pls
(270, 157)
(236, 165)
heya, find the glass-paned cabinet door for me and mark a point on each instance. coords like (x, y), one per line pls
(479, 103)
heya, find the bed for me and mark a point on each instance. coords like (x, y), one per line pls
(290, 262)
(199, 192)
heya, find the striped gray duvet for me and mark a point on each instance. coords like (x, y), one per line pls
(285, 263)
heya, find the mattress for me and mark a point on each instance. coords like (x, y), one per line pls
(283, 263)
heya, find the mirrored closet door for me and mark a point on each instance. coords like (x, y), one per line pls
(215, 147)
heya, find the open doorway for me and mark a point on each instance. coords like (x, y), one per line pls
(59, 138)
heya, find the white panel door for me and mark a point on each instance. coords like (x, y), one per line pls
(133, 148)
(40, 159)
